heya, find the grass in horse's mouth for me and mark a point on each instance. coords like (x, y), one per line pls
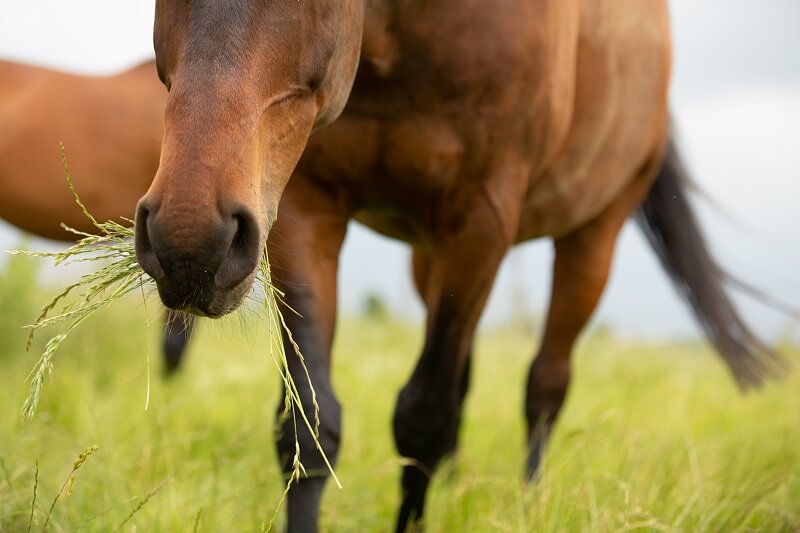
(120, 275)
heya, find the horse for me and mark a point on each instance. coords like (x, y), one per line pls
(111, 128)
(460, 127)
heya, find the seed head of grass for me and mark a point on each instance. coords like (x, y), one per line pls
(82, 457)
(118, 275)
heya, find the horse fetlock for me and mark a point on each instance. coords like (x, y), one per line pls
(425, 425)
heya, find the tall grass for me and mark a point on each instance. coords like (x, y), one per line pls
(653, 438)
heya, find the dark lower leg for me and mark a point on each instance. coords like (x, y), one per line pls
(582, 262)
(415, 482)
(579, 276)
(428, 409)
(426, 424)
(421, 268)
(177, 331)
(548, 380)
(454, 278)
(304, 247)
(463, 388)
(297, 445)
(426, 427)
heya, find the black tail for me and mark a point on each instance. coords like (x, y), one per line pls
(666, 217)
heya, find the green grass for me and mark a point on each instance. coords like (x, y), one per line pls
(654, 437)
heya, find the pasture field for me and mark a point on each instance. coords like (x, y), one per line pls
(653, 438)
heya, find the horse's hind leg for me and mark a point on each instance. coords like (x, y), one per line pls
(304, 247)
(582, 262)
(459, 276)
(581, 268)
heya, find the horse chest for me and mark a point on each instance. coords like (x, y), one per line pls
(380, 158)
(394, 171)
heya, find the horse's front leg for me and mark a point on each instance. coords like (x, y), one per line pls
(458, 275)
(421, 263)
(303, 249)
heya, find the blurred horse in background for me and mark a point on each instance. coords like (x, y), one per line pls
(111, 128)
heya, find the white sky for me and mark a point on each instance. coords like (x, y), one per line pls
(736, 99)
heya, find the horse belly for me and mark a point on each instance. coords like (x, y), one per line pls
(620, 115)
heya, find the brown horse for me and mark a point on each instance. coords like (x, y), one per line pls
(111, 127)
(471, 126)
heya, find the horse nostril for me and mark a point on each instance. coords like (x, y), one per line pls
(144, 249)
(245, 230)
(243, 255)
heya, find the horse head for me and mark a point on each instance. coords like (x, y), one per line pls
(248, 82)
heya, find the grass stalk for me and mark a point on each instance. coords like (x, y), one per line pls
(70, 481)
(35, 490)
(142, 503)
(197, 518)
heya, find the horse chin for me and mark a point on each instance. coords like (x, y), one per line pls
(210, 303)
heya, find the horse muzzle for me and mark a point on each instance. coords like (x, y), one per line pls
(203, 266)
